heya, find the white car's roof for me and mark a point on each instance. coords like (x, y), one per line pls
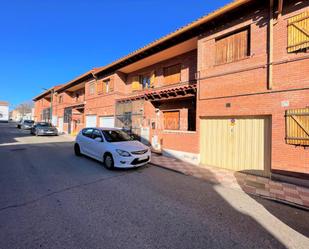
(106, 128)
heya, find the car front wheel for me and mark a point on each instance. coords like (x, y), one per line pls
(108, 161)
(77, 150)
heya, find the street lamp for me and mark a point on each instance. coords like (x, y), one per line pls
(51, 103)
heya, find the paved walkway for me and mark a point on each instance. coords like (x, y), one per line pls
(251, 184)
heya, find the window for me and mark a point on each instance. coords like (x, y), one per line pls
(145, 81)
(191, 119)
(100, 87)
(96, 133)
(105, 86)
(297, 126)
(233, 47)
(298, 32)
(67, 115)
(91, 88)
(172, 74)
(116, 136)
(171, 120)
(87, 132)
(60, 99)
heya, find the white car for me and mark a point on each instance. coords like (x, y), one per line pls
(112, 146)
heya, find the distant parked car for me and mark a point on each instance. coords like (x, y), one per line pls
(44, 128)
(18, 125)
(25, 124)
(112, 146)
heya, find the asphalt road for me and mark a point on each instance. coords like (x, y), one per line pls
(52, 199)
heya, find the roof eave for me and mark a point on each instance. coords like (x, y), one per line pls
(229, 7)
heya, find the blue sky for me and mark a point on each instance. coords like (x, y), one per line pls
(49, 42)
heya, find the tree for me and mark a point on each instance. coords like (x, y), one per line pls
(25, 107)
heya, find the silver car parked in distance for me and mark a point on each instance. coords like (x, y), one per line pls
(44, 129)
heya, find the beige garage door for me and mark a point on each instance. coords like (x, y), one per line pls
(237, 143)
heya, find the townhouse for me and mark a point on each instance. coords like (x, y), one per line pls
(4, 111)
(229, 90)
(44, 104)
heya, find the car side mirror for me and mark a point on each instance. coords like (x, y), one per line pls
(98, 139)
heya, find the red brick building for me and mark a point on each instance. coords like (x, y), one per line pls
(221, 91)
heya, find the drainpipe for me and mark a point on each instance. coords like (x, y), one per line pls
(51, 105)
(270, 45)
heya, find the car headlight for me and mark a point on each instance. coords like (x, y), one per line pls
(123, 153)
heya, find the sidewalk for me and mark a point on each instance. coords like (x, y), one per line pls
(255, 185)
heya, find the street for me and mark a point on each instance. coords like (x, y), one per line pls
(52, 199)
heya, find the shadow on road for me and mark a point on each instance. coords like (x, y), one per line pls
(195, 214)
(9, 133)
(295, 218)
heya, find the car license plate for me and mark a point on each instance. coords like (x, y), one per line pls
(49, 132)
(143, 158)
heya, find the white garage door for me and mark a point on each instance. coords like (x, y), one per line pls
(237, 143)
(107, 122)
(91, 121)
(60, 124)
(54, 120)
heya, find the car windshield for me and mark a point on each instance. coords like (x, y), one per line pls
(28, 121)
(116, 136)
(44, 124)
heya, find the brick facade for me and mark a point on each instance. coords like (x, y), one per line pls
(238, 88)
(244, 85)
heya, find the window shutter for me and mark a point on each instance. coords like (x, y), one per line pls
(152, 79)
(111, 84)
(233, 47)
(136, 84)
(104, 86)
(172, 74)
(91, 88)
(100, 86)
(297, 126)
(298, 32)
(171, 120)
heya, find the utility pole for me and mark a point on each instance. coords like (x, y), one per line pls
(51, 103)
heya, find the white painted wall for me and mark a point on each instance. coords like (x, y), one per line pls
(183, 156)
(4, 113)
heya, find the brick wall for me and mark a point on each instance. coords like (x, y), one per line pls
(39, 106)
(243, 84)
(188, 63)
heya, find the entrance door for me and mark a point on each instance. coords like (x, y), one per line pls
(237, 143)
(107, 122)
(68, 118)
(91, 121)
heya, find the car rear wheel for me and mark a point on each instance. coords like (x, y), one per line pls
(77, 150)
(108, 161)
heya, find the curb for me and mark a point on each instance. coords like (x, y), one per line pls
(173, 170)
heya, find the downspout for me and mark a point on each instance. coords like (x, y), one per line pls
(270, 46)
(51, 105)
